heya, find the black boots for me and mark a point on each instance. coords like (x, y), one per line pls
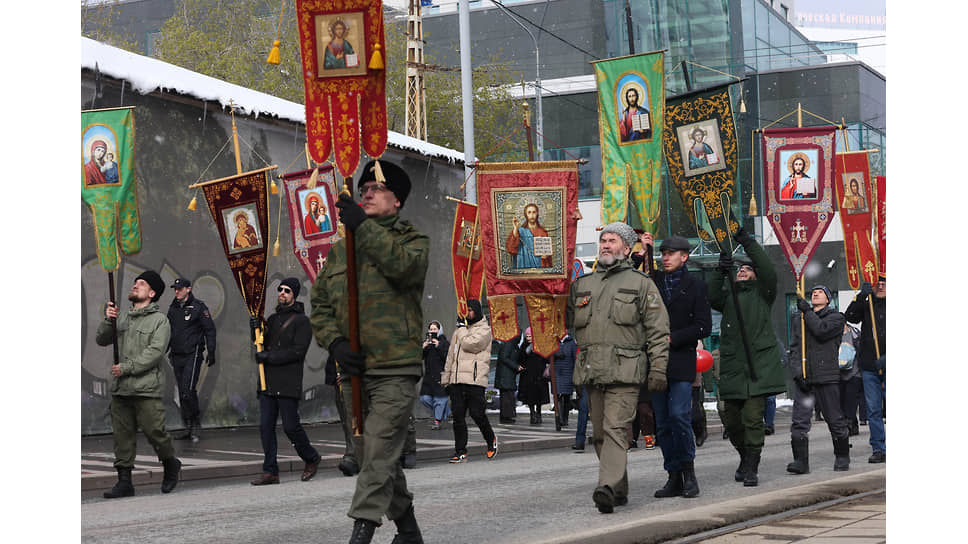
(535, 414)
(363, 531)
(841, 454)
(407, 530)
(801, 456)
(604, 499)
(673, 486)
(690, 487)
(170, 478)
(124, 487)
(741, 469)
(564, 406)
(750, 478)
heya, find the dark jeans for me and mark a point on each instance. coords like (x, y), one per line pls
(673, 409)
(851, 397)
(827, 398)
(581, 434)
(769, 412)
(466, 398)
(187, 369)
(270, 408)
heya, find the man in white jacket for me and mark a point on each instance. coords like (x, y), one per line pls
(465, 378)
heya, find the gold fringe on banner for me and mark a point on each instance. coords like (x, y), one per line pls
(504, 316)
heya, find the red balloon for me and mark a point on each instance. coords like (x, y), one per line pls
(704, 360)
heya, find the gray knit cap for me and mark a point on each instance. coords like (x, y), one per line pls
(625, 232)
(830, 297)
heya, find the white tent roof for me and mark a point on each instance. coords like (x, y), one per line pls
(146, 75)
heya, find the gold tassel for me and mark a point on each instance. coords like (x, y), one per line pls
(378, 176)
(311, 184)
(193, 205)
(273, 189)
(753, 210)
(275, 248)
(274, 57)
(376, 60)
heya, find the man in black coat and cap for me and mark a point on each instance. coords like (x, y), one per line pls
(690, 320)
(287, 338)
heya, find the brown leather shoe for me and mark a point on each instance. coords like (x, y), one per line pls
(265, 479)
(309, 471)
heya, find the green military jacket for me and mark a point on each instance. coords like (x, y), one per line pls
(391, 264)
(755, 299)
(143, 339)
(620, 325)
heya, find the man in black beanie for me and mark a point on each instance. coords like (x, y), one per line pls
(137, 381)
(287, 339)
(391, 264)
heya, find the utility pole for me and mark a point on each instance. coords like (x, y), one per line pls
(467, 98)
(416, 116)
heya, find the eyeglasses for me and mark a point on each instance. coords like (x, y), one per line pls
(375, 187)
(285, 290)
(746, 267)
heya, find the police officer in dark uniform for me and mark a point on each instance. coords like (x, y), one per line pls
(192, 332)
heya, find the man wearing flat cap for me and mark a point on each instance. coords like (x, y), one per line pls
(824, 328)
(622, 330)
(689, 321)
(287, 338)
(744, 383)
(391, 264)
(192, 334)
(137, 381)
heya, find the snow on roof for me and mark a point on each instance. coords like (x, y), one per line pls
(146, 75)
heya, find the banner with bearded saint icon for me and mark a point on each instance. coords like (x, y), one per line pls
(528, 227)
(631, 105)
(798, 164)
(701, 155)
(240, 210)
(108, 183)
(343, 48)
(854, 197)
(880, 210)
(313, 216)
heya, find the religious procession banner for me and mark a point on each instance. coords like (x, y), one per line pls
(854, 197)
(465, 252)
(313, 216)
(528, 228)
(240, 210)
(880, 210)
(631, 104)
(798, 164)
(108, 183)
(342, 46)
(701, 155)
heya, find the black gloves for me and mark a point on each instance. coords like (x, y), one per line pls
(210, 359)
(743, 237)
(262, 357)
(254, 323)
(350, 213)
(803, 305)
(802, 385)
(726, 264)
(865, 291)
(349, 361)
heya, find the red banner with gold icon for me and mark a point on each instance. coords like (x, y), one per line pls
(343, 50)
(313, 216)
(528, 214)
(880, 210)
(798, 165)
(854, 198)
(465, 251)
(241, 213)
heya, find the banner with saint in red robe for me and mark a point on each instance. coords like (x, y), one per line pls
(313, 216)
(240, 210)
(528, 214)
(854, 198)
(343, 50)
(465, 252)
(798, 165)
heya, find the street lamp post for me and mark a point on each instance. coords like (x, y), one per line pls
(538, 125)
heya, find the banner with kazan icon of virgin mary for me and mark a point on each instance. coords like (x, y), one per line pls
(528, 230)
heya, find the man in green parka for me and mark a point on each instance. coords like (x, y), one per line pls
(745, 383)
(391, 264)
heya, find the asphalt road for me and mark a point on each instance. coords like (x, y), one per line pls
(521, 497)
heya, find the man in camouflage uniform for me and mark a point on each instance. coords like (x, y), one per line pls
(621, 325)
(391, 263)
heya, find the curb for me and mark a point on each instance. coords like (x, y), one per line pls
(714, 516)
